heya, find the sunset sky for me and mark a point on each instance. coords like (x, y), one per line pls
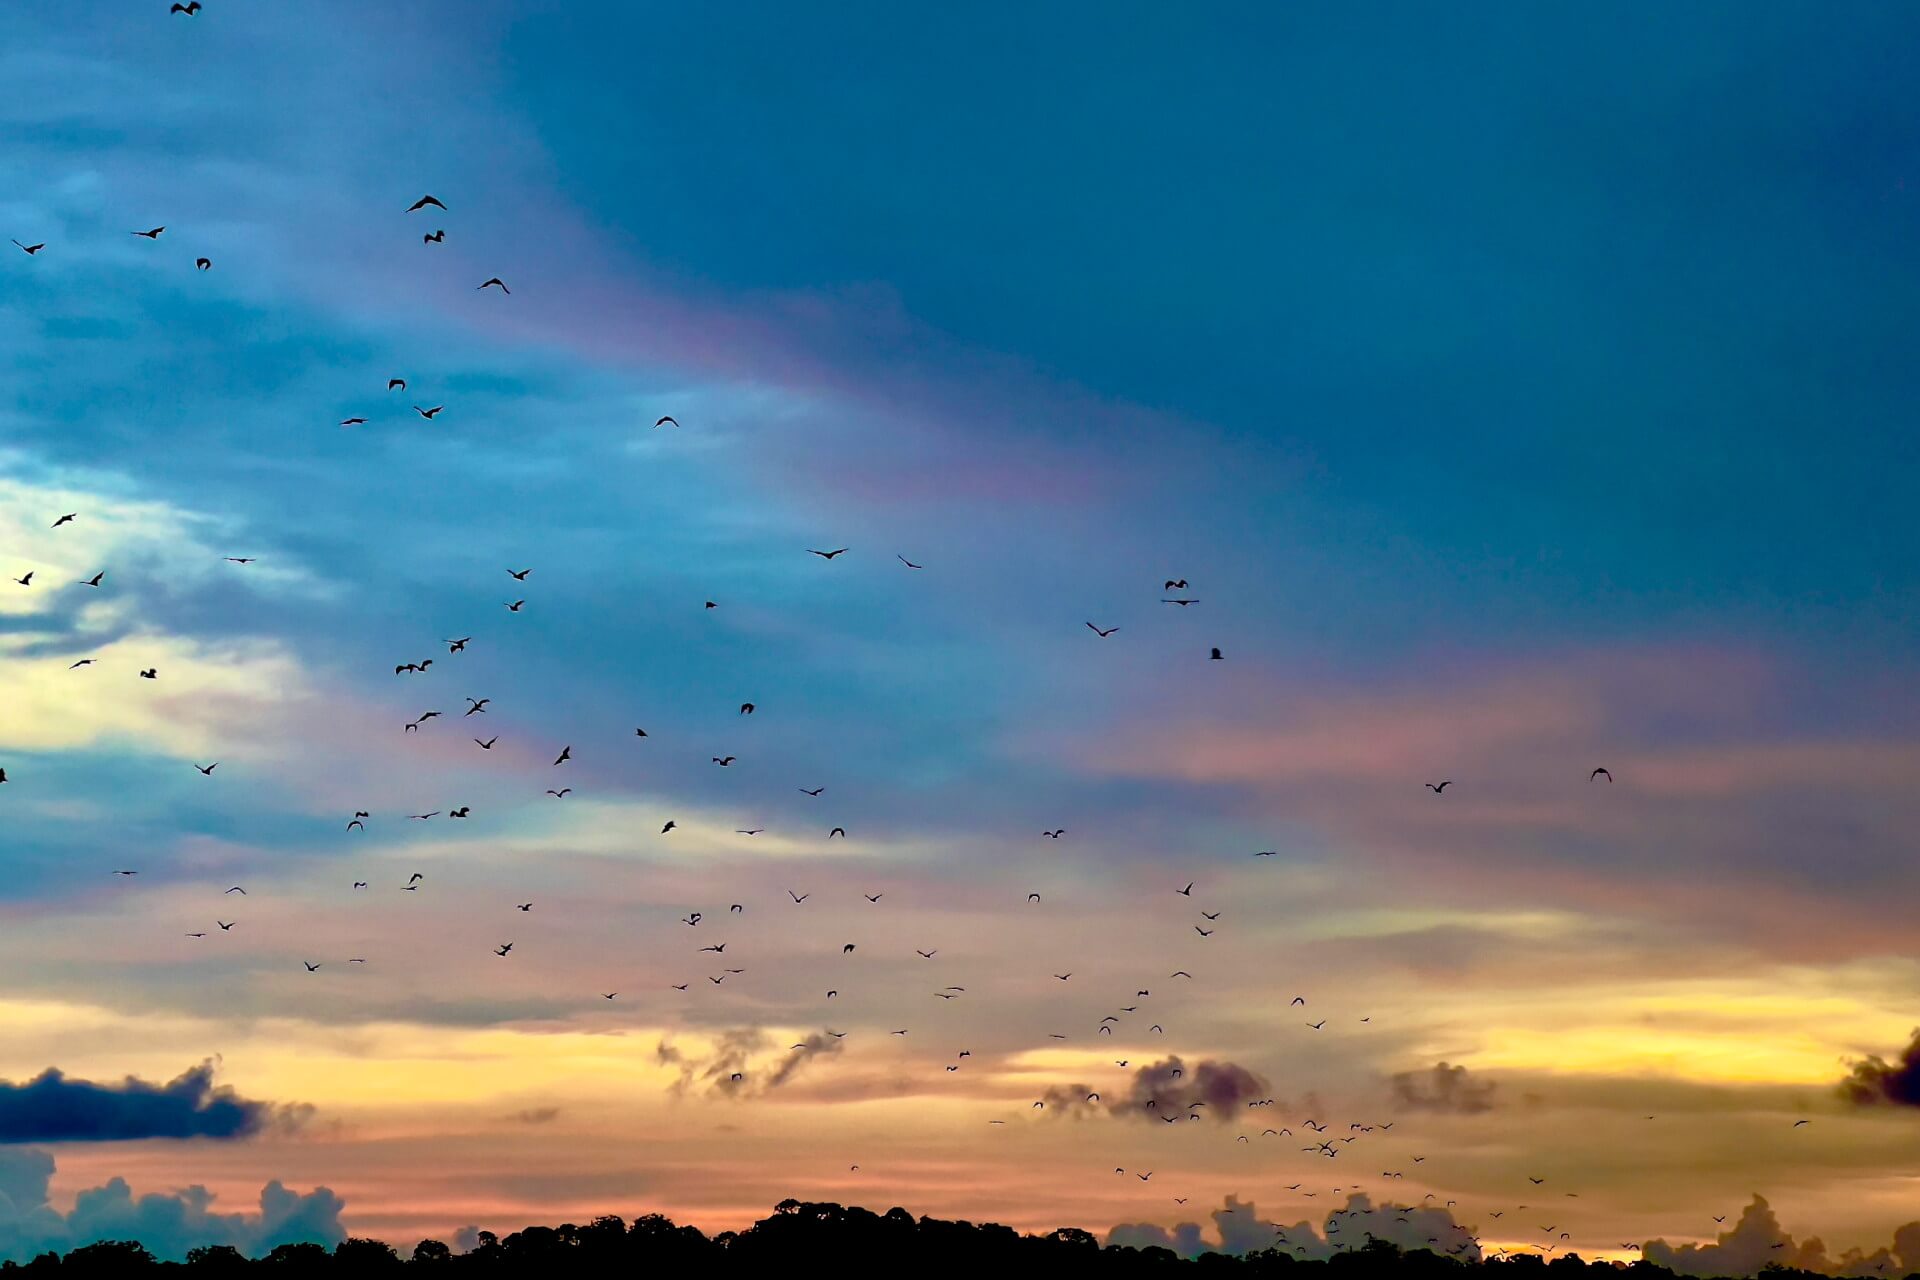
(1519, 390)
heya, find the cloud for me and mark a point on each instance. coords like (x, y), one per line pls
(737, 1064)
(1443, 1088)
(1166, 1088)
(536, 1115)
(52, 1108)
(167, 1224)
(1241, 1230)
(1757, 1242)
(1876, 1080)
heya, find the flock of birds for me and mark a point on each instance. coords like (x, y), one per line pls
(1319, 1142)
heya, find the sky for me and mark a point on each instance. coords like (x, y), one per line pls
(1518, 391)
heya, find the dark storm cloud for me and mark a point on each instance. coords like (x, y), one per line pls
(1877, 1081)
(52, 1108)
(1443, 1088)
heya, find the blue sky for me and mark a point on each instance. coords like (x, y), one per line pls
(1519, 390)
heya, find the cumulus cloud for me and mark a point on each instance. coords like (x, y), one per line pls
(1166, 1088)
(52, 1108)
(168, 1225)
(1757, 1241)
(1443, 1088)
(1240, 1229)
(739, 1063)
(1876, 1080)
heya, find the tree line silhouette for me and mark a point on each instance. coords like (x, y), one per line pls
(803, 1235)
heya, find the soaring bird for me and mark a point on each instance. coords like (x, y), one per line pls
(208, 769)
(396, 384)
(519, 575)
(94, 581)
(671, 824)
(1054, 834)
(1600, 773)
(910, 564)
(826, 555)
(566, 754)
(1438, 787)
(1216, 656)
(503, 948)
(514, 606)
(813, 792)
(26, 581)
(1175, 584)
(561, 794)
(425, 202)
(429, 414)
(151, 235)
(1186, 892)
(1182, 603)
(665, 421)
(1102, 634)
(494, 282)
(31, 249)
(68, 518)
(437, 237)
(724, 761)
(311, 966)
(203, 264)
(746, 708)
(837, 831)
(352, 422)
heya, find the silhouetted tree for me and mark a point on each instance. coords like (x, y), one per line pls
(428, 1252)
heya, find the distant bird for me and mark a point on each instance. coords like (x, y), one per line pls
(664, 422)
(94, 581)
(1535, 1181)
(151, 235)
(514, 606)
(910, 564)
(488, 744)
(456, 646)
(226, 925)
(1211, 915)
(1600, 773)
(461, 812)
(503, 948)
(84, 662)
(1267, 853)
(437, 237)
(208, 769)
(66, 519)
(425, 202)
(1054, 834)
(608, 995)
(31, 249)
(203, 264)
(873, 897)
(847, 950)
(826, 555)
(1216, 656)
(477, 706)
(746, 708)
(1182, 603)
(1205, 933)
(429, 414)
(1186, 892)
(798, 897)
(639, 733)
(1438, 787)
(1033, 897)
(519, 575)
(236, 889)
(566, 754)
(26, 581)
(927, 955)
(191, 8)
(196, 935)
(1063, 976)
(1175, 584)
(739, 831)
(352, 422)
(1102, 634)
(724, 761)
(3, 775)
(396, 384)
(494, 282)
(126, 873)
(311, 967)
(561, 794)
(670, 826)
(1798, 1123)
(239, 559)
(814, 792)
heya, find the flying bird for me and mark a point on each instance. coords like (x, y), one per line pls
(837, 831)
(826, 555)
(1600, 773)
(424, 202)
(151, 235)
(1438, 787)
(1216, 656)
(664, 422)
(566, 754)
(494, 282)
(396, 384)
(203, 264)
(438, 237)
(814, 792)
(94, 581)
(31, 249)
(910, 564)
(66, 519)
(207, 769)
(1102, 634)
(429, 414)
